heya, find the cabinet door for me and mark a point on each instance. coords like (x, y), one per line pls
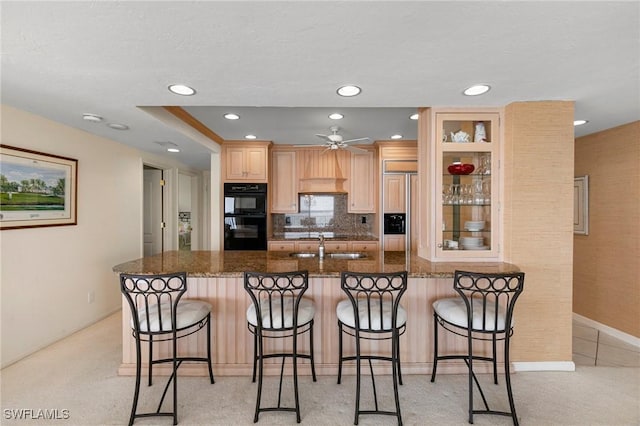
(235, 163)
(281, 246)
(256, 163)
(394, 243)
(362, 183)
(467, 225)
(333, 246)
(284, 182)
(306, 246)
(394, 194)
(364, 246)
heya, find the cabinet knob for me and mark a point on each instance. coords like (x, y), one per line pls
(439, 245)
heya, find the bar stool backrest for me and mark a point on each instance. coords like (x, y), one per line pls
(153, 300)
(276, 297)
(368, 292)
(489, 298)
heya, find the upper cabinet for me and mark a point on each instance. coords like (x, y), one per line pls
(394, 193)
(464, 158)
(363, 182)
(284, 182)
(245, 161)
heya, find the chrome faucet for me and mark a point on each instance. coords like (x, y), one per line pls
(321, 246)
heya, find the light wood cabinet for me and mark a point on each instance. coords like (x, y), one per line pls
(466, 205)
(394, 193)
(284, 182)
(362, 183)
(245, 162)
(281, 246)
(394, 243)
(329, 245)
(333, 246)
(364, 245)
(306, 246)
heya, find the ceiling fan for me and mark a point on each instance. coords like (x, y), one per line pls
(335, 141)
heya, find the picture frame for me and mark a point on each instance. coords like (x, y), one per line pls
(581, 205)
(37, 189)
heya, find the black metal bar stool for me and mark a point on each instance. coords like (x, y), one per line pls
(158, 313)
(376, 299)
(484, 311)
(278, 310)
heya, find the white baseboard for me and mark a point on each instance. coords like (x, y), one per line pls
(544, 366)
(620, 335)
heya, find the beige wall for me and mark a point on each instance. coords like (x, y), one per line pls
(47, 272)
(538, 224)
(607, 261)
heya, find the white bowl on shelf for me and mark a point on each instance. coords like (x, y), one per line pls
(474, 225)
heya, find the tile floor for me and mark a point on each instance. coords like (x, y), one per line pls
(592, 347)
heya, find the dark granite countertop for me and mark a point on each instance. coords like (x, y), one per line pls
(234, 263)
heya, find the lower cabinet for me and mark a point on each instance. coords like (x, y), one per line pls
(281, 246)
(364, 246)
(330, 246)
(394, 243)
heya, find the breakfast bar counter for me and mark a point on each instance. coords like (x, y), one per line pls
(217, 277)
(215, 264)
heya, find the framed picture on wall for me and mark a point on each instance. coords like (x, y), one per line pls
(36, 189)
(581, 205)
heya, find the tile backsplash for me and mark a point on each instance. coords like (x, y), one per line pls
(323, 213)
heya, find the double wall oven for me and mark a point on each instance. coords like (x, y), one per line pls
(245, 216)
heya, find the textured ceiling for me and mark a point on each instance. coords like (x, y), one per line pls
(275, 62)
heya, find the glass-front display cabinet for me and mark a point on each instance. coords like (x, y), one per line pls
(466, 173)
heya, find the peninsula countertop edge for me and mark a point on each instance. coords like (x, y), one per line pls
(217, 264)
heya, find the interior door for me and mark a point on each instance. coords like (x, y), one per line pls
(152, 211)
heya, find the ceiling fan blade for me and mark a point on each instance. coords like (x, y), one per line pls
(354, 149)
(325, 137)
(356, 140)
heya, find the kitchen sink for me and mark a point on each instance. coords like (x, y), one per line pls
(306, 255)
(346, 255)
(303, 255)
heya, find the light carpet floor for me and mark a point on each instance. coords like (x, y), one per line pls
(78, 374)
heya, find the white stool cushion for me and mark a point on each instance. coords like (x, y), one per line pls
(346, 315)
(454, 311)
(306, 311)
(189, 312)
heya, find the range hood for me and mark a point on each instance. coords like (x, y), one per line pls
(322, 172)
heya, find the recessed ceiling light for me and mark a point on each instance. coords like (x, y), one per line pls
(476, 90)
(396, 137)
(181, 89)
(336, 116)
(92, 117)
(231, 116)
(349, 90)
(118, 126)
(580, 122)
(414, 116)
(168, 145)
(250, 137)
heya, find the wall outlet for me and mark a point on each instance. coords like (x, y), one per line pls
(363, 219)
(91, 296)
